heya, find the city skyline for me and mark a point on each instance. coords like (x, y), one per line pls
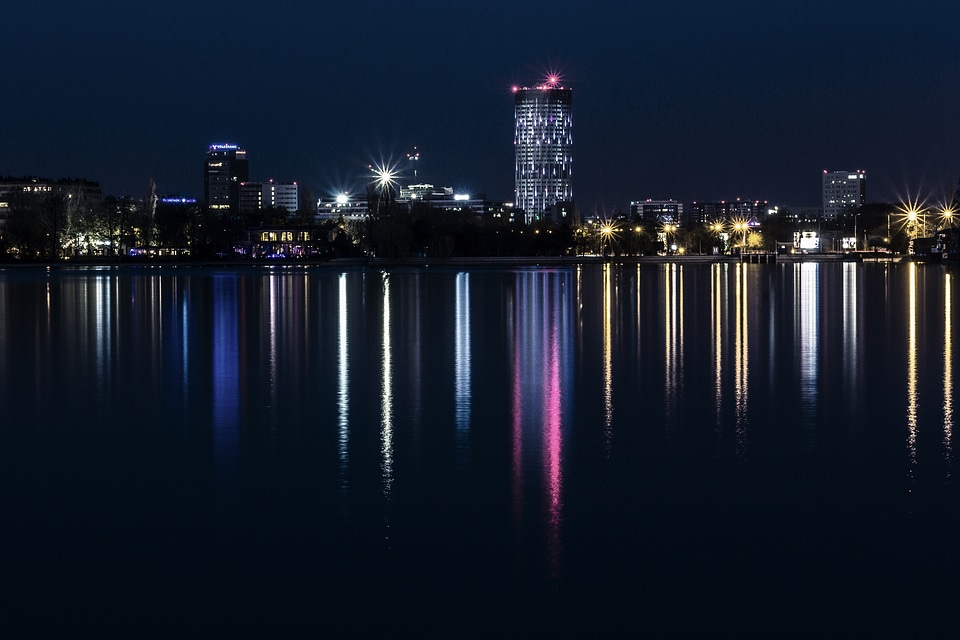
(688, 102)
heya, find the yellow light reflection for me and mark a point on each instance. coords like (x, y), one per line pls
(948, 368)
(741, 358)
(608, 354)
(912, 366)
(716, 308)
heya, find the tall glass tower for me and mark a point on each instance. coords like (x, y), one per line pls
(543, 143)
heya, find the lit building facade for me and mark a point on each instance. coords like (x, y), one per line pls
(658, 211)
(224, 168)
(445, 199)
(255, 196)
(348, 206)
(843, 192)
(78, 190)
(543, 143)
(705, 213)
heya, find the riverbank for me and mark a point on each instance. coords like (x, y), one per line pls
(472, 262)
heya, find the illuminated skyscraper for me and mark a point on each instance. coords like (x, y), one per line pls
(843, 192)
(543, 143)
(223, 170)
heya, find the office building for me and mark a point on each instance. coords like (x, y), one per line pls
(843, 193)
(706, 213)
(657, 211)
(224, 168)
(543, 143)
(255, 196)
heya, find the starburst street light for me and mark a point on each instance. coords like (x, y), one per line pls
(384, 176)
(947, 215)
(740, 226)
(383, 188)
(913, 212)
(608, 232)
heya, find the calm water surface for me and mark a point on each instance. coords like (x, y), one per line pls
(664, 449)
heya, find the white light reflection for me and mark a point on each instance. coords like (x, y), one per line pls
(948, 369)
(104, 303)
(343, 386)
(851, 327)
(807, 340)
(912, 366)
(717, 310)
(273, 320)
(386, 396)
(462, 359)
(673, 336)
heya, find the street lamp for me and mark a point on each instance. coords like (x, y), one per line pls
(717, 228)
(606, 232)
(668, 230)
(947, 216)
(741, 227)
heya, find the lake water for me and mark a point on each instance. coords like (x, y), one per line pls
(660, 449)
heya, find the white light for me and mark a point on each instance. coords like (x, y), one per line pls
(461, 197)
(342, 198)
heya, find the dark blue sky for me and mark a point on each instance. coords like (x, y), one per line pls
(672, 99)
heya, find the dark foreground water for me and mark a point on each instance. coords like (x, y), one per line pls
(659, 450)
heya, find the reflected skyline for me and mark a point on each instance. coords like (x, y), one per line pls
(529, 426)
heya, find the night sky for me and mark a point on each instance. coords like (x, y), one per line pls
(672, 99)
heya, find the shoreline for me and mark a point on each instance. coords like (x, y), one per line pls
(511, 261)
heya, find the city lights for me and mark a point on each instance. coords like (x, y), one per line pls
(385, 176)
(913, 216)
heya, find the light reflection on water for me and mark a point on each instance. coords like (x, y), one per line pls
(461, 364)
(517, 422)
(912, 400)
(742, 358)
(343, 384)
(386, 393)
(608, 353)
(807, 341)
(948, 370)
(227, 370)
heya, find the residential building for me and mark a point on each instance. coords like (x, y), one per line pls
(843, 193)
(702, 213)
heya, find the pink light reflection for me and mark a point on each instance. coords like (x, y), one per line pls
(553, 441)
